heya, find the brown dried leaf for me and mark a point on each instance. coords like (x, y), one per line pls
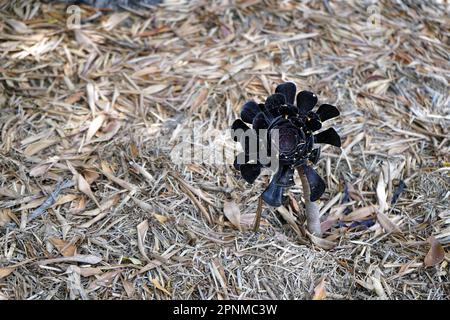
(104, 280)
(83, 39)
(81, 258)
(84, 187)
(89, 271)
(142, 231)
(65, 248)
(154, 89)
(436, 254)
(353, 193)
(321, 243)
(199, 99)
(233, 214)
(129, 288)
(360, 214)
(320, 292)
(134, 150)
(65, 199)
(5, 192)
(18, 26)
(40, 145)
(114, 20)
(124, 184)
(90, 176)
(387, 223)
(95, 125)
(110, 131)
(4, 272)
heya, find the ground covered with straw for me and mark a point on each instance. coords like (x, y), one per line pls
(93, 205)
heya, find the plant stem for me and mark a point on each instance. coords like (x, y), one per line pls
(312, 209)
(258, 215)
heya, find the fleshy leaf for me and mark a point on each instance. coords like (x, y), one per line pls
(273, 102)
(316, 183)
(273, 195)
(259, 122)
(250, 171)
(237, 129)
(327, 111)
(284, 176)
(314, 124)
(249, 111)
(287, 89)
(329, 136)
(314, 156)
(306, 100)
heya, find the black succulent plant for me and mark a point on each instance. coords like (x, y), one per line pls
(295, 126)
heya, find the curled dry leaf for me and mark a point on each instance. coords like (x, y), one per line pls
(353, 193)
(5, 192)
(65, 199)
(114, 20)
(320, 292)
(199, 99)
(233, 214)
(89, 271)
(321, 243)
(159, 286)
(129, 288)
(109, 131)
(142, 231)
(81, 258)
(360, 214)
(40, 145)
(104, 280)
(95, 125)
(82, 184)
(154, 89)
(387, 223)
(18, 26)
(84, 187)
(83, 40)
(436, 254)
(248, 220)
(4, 272)
(90, 175)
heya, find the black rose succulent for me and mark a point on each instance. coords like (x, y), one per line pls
(294, 126)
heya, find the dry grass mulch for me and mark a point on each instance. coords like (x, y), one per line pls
(93, 207)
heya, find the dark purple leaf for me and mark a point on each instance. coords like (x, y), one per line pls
(287, 89)
(273, 104)
(314, 155)
(260, 122)
(329, 136)
(237, 129)
(316, 183)
(313, 124)
(401, 187)
(306, 101)
(249, 111)
(250, 171)
(273, 195)
(327, 111)
(284, 177)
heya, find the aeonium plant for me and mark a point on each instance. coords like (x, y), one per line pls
(283, 135)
